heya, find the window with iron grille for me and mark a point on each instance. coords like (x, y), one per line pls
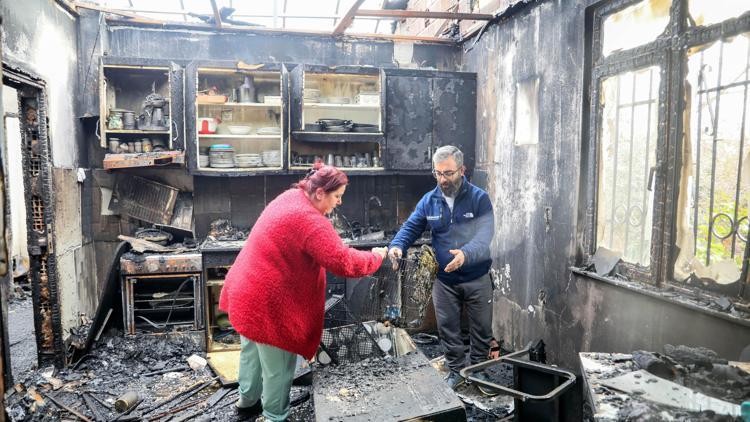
(667, 150)
(627, 156)
(713, 225)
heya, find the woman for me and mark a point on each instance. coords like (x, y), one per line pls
(275, 291)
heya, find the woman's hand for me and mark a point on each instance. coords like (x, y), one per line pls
(395, 254)
(380, 251)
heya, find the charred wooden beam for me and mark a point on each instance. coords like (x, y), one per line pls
(78, 414)
(346, 21)
(217, 15)
(92, 407)
(204, 27)
(408, 14)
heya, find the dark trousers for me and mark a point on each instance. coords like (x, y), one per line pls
(476, 296)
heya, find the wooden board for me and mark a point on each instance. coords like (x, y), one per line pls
(143, 159)
(226, 365)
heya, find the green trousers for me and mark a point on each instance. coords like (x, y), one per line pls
(266, 374)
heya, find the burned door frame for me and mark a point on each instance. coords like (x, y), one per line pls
(669, 51)
(40, 211)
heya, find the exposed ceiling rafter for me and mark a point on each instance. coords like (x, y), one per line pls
(407, 14)
(348, 18)
(217, 15)
(205, 27)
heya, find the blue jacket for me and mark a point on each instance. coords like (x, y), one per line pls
(469, 227)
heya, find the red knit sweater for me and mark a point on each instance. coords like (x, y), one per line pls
(275, 291)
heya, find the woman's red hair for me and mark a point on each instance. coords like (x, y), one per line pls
(329, 178)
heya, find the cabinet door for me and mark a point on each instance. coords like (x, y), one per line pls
(190, 116)
(296, 89)
(454, 115)
(177, 109)
(409, 122)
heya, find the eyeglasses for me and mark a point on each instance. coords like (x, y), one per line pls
(447, 174)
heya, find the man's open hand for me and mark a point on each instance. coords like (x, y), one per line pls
(457, 262)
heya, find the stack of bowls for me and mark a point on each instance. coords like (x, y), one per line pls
(271, 158)
(269, 130)
(248, 160)
(221, 156)
(203, 160)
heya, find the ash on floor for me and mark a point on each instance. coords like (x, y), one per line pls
(153, 366)
(479, 407)
(21, 335)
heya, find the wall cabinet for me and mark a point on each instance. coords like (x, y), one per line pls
(362, 119)
(426, 110)
(237, 118)
(337, 117)
(141, 112)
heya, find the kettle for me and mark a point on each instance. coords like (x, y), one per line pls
(207, 125)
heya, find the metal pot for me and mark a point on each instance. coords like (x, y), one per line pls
(128, 120)
(333, 122)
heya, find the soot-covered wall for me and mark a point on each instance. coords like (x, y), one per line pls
(532, 68)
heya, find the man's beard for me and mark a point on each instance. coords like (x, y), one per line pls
(451, 189)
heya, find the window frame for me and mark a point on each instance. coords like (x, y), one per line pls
(668, 51)
(653, 59)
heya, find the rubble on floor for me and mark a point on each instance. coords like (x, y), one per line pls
(155, 367)
(696, 374)
(478, 407)
(21, 334)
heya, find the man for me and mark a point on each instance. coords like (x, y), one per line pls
(462, 222)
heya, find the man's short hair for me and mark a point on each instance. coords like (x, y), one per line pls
(445, 152)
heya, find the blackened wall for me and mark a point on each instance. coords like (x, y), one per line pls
(242, 199)
(535, 192)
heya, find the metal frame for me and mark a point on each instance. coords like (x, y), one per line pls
(669, 52)
(510, 358)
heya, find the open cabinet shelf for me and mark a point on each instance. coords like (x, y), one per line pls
(338, 118)
(239, 121)
(136, 110)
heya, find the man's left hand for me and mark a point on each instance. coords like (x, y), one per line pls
(457, 262)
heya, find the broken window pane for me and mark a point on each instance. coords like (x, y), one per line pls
(712, 226)
(709, 12)
(627, 159)
(635, 25)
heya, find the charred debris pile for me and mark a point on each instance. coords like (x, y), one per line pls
(128, 378)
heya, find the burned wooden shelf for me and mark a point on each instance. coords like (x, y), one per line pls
(343, 137)
(137, 132)
(143, 159)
